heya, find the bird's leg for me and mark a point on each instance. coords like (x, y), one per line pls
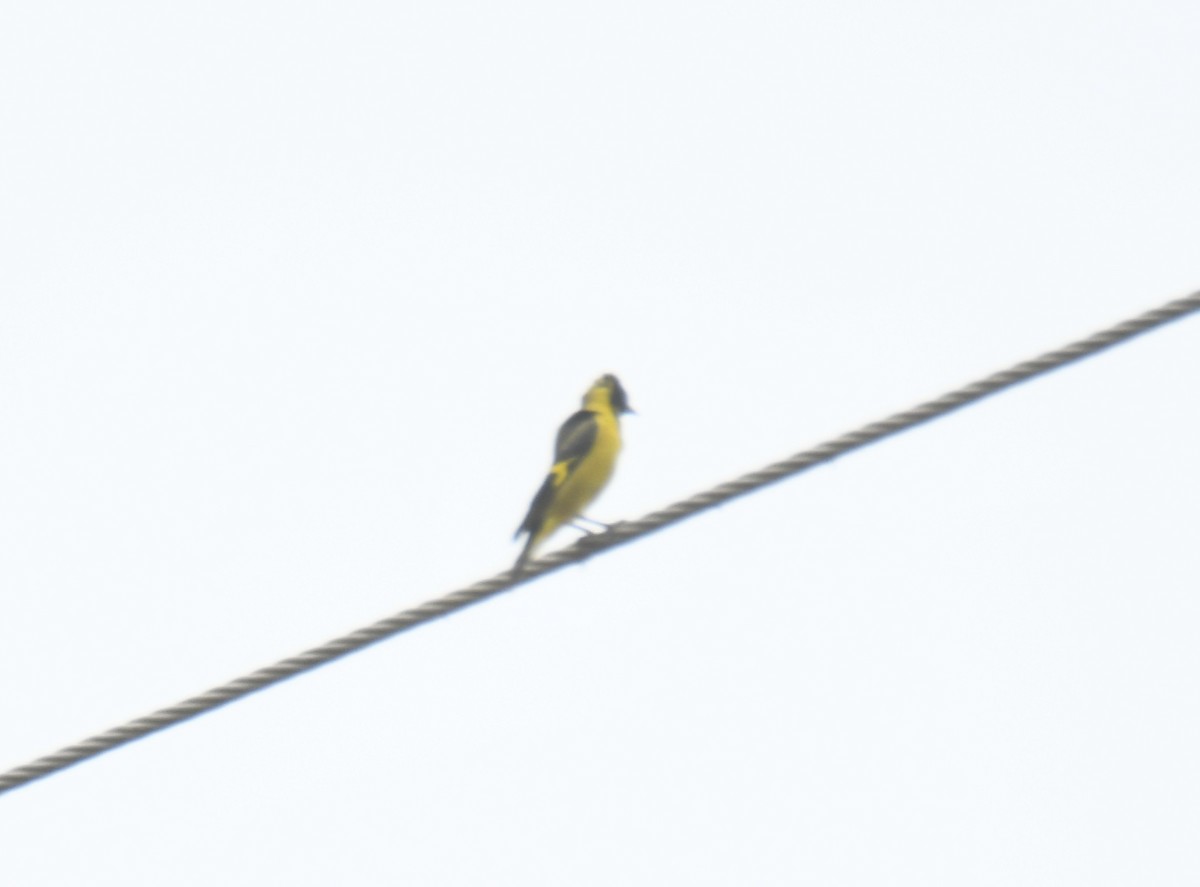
(575, 523)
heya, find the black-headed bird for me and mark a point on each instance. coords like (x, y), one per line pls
(585, 453)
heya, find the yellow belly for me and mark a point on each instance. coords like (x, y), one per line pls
(588, 479)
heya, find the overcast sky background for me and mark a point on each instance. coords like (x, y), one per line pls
(293, 297)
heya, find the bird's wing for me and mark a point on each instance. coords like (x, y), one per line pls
(575, 440)
(576, 437)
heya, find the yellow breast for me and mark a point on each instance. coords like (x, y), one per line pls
(590, 475)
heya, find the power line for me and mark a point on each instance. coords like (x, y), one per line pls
(620, 534)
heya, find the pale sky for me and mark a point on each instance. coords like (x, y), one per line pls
(293, 297)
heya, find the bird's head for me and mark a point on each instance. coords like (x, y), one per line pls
(607, 386)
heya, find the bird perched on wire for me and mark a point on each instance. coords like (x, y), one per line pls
(585, 452)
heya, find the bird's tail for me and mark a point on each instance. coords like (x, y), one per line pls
(526, 553)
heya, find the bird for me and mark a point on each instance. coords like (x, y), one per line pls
(585, 453)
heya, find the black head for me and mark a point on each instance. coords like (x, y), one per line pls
(616, 394)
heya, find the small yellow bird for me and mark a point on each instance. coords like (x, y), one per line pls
(585, 452)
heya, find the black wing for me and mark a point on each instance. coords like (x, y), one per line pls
(576, 437)
(575, 440)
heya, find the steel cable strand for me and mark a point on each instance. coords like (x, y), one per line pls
(619, 534)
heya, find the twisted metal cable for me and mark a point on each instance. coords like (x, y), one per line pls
(902, 421)
(619, 534)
